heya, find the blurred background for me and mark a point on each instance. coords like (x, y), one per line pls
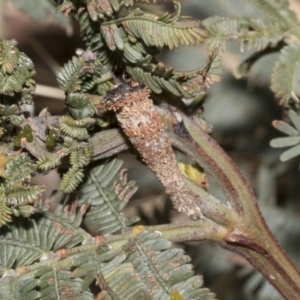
(240, 111)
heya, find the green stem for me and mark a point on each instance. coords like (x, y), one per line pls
(251, 237)
(212, 208)
(199, 230)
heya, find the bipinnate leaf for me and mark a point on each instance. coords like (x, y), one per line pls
(69, 77)
(108, 191)
(19, 169)
(159, 34)
(149, 268)
(54, 283)
(17, 195)
(5, 213)
(44, 283)
(16, 71)
(26, 240)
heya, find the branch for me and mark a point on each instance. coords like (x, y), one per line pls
(247, 232)
(251, 238)
(199, 230)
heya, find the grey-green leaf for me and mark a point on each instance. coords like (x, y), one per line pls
(108, 191)
(291, 153)
(285, 128)
(285, 142)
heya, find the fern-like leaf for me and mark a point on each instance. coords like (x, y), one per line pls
(26, 240)
(5, 212)
(18, 195)
(58, 284)
(14, 286)
(45, 283)
(8, 56)
(82, 157)
(71, 179)
(76, 129)
(108, 190)
(168, 268)
(184, 84)
(19, 169)
(159, 34)
(69, 77)
(79, 106)
(128, 286)
(16, 73)
(286, 73)
(49, 162)
(155, 83)
(145, 268)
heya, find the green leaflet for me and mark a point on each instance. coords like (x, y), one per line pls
(154, 83)
(129, 39)
(49, 162)
(17, 196)
(286, 73)
(26, 240)
(16, 73)
(59, 284)
(112, 36)
(8, 56)
(19, 169)
(184, 84)
(76, 129)
(159, 34)
(84, 73)
(71, 179)
(108, 191)
(5, 213)
(147, 267)
(45, 283)
(123, 282)
(162, 270)
(19, 287)
(79, 106)
(69, 78)
(79, 159)
(21, 194)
